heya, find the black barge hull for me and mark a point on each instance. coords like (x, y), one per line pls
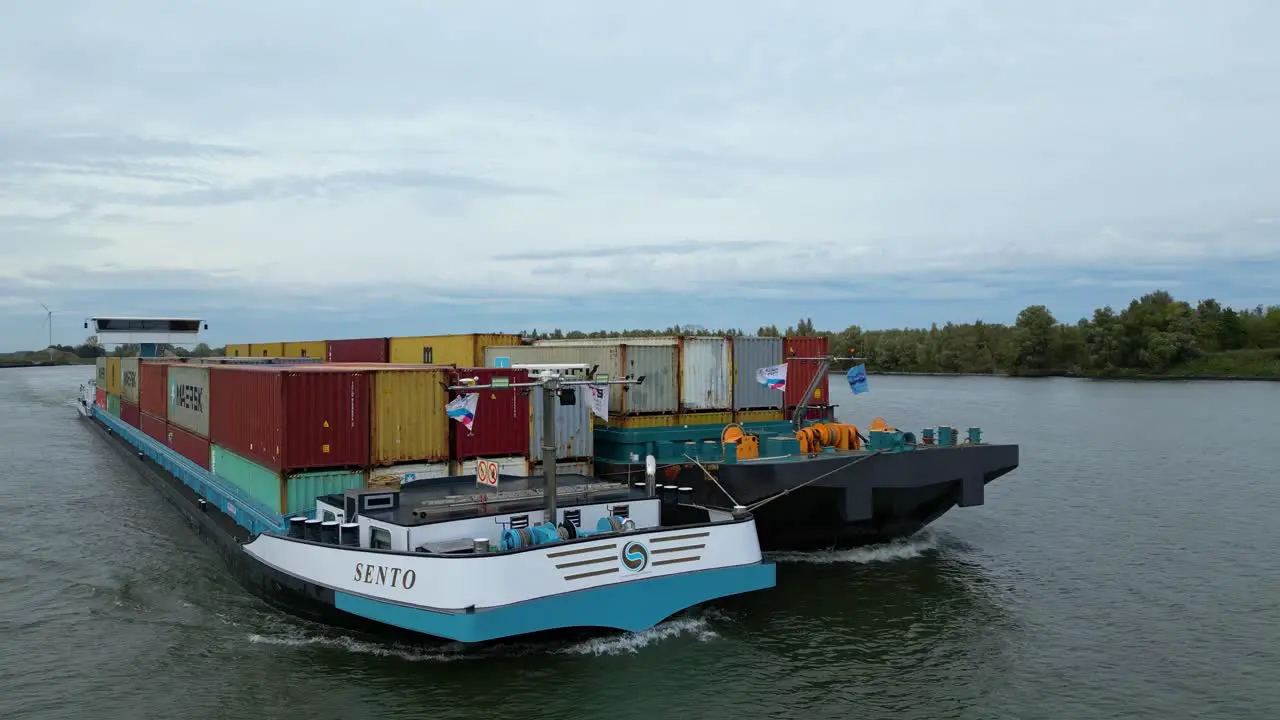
(876, 500)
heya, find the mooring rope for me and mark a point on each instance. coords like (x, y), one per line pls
(712, 478)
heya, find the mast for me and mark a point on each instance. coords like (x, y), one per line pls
(551, 382)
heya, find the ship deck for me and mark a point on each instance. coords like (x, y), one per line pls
(455, 498)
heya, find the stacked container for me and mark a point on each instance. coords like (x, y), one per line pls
(360, 350)
(285, 434)
(657, 359)
(461, 350)
(800, 372)
(308, 349)
(237, 350)
(266, 349)
(749, 355)
(188, 407)
(501, 427)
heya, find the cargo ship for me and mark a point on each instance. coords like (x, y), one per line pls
(348, 494)
(716, 429)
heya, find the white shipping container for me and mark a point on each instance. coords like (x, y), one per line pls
(189, 398)
(751, 354)
(574, 436)
(706, 374)
(659, 393)
(129, 379)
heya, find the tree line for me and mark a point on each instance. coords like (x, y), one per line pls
(1155, 335)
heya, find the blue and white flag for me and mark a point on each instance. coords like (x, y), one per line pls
(463, 409)
(858, 379)
(773, 377)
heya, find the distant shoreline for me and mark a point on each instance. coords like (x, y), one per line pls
(31, 364)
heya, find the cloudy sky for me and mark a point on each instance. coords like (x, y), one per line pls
(297, 170)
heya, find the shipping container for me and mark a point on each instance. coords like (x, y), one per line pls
(130, 413)
(574, 427)
(113, 375)
(189, 399)
(706, 374)
(129, 379)
(275, 349)
(292, 494)
(407, 415)
(100, 397)
(461, 350)
(801, 372)
(517, 466)
(237, 350)
(711, 417)
(113, 404)
(308, 349)
(291, 417)
(359, 350)
(154, 427)
(657, 363)
(153, 388)
(100, 379)
(749, 355)
(566, 467)
(408, 473)
(759, 416)
(187, 444)
(501, 425)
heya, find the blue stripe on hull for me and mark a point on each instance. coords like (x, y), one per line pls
(632, 606)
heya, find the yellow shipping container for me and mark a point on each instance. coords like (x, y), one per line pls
(754, 416)
(631, 422)
(307, 349)
(266, 349)
(408, 422)
(237, 350)
(460, 350)
(113, 375)
(716, 417)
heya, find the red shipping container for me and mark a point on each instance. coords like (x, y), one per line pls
(362, 350)
(188, 444)
(153, 388)
(154, 427)
(130, 413)
(800, 372)
(100, 398)
(291, 417)
(501, 426)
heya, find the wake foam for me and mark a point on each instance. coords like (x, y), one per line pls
(902, 549)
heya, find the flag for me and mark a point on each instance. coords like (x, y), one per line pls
(858, 379)
(463, 409)
(773, 377)
(598, 399)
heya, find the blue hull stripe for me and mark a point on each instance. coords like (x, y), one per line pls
(632, 606)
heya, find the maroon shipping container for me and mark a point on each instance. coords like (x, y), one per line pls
(502, 417)
(188, 445)
(800, 372)
(154, 427)
(291, 417)
(153, 389)
(129, 413)
(362, 350)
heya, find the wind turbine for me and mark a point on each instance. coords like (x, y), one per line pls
(48, 320)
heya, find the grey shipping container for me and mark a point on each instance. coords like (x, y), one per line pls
(573, 427)
(189, 398)
(129, 379)
(706, 374)
(660, 392)
(751, 354)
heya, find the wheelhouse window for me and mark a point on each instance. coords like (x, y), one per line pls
(379, 538)
(329, 516)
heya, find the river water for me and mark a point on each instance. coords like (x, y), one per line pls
(1126, 569)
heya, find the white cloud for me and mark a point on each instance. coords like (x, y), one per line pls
(408, 149)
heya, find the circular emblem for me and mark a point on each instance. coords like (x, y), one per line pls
(635, 556)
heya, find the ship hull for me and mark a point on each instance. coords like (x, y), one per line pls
(857, 500)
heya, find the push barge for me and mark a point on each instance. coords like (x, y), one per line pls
(467, 558)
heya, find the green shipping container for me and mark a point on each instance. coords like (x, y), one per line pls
(289, 495)
(113, 404)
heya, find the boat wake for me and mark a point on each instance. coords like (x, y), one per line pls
(697, 626)
(904, 549)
